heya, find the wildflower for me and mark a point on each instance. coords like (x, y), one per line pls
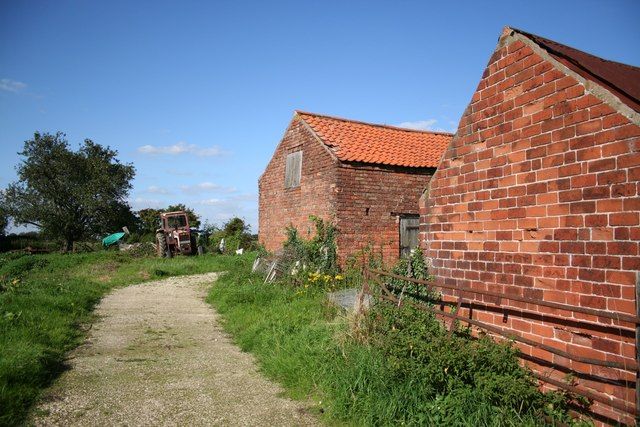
(339, 277)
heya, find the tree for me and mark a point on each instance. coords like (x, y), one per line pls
(4, 216)
(237, 234)
(69, 194)
(149, 219)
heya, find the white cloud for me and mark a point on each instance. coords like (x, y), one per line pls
(11, 85)
(154, 189)
(419, 125)
(142, 203)
(220, 210)
(205, 187)
(181, 148)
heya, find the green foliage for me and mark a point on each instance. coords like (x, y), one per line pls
(69, 194)
(149, 220)
(45, 298)
(407, 371)
(415, 267)
(318, 254)
(4, 218)
(236, 234)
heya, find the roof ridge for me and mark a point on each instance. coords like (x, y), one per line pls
(433, 132)
(620, 80)
(534, 36)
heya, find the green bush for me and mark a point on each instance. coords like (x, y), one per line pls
(236, 234)
(319, 254)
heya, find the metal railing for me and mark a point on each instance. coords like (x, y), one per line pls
(632, 328)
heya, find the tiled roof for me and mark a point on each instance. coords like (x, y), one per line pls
(354, 141)
(621, 79)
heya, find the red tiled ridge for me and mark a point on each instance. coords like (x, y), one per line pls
(355, 141)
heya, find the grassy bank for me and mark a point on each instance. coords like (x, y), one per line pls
(397, 367)
(46, 299)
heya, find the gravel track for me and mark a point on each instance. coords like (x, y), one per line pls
(157, 356)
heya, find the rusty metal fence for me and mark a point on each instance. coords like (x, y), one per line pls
(463, 298)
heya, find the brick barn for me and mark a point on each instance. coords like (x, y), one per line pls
(537, 196)
(364, 177)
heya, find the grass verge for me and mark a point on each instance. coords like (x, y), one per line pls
(45, 300)
(399, 367)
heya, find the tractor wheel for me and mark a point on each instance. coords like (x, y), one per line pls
(162, 244)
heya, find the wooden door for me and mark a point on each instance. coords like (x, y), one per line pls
(409, 227)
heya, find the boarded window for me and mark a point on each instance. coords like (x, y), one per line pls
(293, 169)
(409, 227)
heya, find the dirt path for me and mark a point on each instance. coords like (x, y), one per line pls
(157, 356)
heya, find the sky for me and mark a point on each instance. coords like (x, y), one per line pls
(197, 95)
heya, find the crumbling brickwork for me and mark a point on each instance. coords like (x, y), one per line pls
(537, 196)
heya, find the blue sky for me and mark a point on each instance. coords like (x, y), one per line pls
(198, 94)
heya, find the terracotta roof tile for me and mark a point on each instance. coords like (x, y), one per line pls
(354, 141)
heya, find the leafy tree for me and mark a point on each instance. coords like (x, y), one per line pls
(149, 219)
(69, 194)
(237, 234)
(235, 226)
(4, 217)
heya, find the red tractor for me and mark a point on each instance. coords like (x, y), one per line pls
(175, 236)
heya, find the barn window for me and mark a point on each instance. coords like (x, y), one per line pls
(409, 225)
(293, 169)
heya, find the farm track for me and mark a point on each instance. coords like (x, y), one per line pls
(157, 356)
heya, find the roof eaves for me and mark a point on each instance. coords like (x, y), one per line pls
(595, 87)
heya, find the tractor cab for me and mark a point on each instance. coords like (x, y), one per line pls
(174, 235)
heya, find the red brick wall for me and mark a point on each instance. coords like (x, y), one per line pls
(537, 196)
(280, 207)
(362, 200)
(368, 203)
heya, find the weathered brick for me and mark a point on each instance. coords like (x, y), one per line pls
(573, 166)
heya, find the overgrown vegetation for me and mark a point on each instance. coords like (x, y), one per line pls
(46, 299)
(236, 234)
(317, 255)
(395, 366)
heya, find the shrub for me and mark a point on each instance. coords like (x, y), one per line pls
(317, 255)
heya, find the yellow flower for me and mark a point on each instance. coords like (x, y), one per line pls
(339, 277)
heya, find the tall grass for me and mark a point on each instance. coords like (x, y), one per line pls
(46, 299)
(400, 368)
